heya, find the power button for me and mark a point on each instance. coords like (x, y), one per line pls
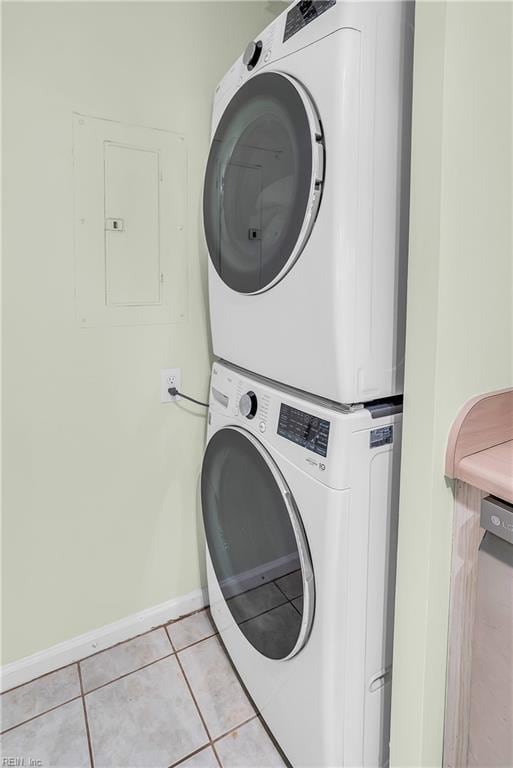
(261, 426)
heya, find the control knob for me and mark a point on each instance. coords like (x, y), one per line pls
(248, 405)
(252, 54)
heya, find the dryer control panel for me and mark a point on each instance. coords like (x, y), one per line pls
(304, 429)
(303, 13)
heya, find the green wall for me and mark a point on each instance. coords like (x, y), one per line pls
(459, 324)
(100, 480)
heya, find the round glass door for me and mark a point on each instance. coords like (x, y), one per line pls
(263, 182)
(257, 544)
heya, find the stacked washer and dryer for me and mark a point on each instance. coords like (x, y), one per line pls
(306, 221)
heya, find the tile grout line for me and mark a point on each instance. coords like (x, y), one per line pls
(40, 714)
(212, 742)
(214, 750)
(190, 645)
(191, 754)
(192, 694)
(236, 727)
(88, 732)
(169, 637)
(127, 674)
(40, 677)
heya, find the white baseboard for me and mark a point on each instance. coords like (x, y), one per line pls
(19, 672)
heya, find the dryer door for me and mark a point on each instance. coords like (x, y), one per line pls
(263, 182)
(257, 544)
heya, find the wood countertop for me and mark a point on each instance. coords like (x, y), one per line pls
(490, 470)
(480, 445)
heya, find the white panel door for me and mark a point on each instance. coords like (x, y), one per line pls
(132, 227)
(130, 239)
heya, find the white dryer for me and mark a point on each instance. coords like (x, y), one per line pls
(299, 504)
(306, 200)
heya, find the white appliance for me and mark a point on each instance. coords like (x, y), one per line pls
(306, 200)
(299, 502)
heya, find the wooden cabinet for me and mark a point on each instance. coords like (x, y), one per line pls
(479, 703)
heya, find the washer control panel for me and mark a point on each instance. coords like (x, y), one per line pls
(304, 429)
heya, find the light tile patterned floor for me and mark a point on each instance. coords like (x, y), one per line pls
(166, 698)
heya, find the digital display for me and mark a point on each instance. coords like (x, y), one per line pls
(304, 429)
(382, 436)
(303, 13)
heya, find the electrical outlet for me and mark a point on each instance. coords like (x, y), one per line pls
(169, 377)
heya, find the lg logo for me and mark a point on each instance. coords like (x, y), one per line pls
(501, 523)
(314, 463)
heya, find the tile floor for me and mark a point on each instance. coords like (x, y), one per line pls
(166, 698)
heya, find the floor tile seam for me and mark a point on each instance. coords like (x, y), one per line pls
(191, 754)
(212, 742)
(189, 686)
(216, 755)
(88, 730)
(40, 677)
(196, 642)
(40, 714)
(236, 727)
(127, 674)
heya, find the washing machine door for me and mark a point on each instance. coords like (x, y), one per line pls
(257, 544)
(263, 182)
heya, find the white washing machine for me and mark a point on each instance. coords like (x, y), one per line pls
(306, 200)
(300, 505)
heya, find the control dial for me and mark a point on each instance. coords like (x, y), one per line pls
(252, 54)
(248, 405)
